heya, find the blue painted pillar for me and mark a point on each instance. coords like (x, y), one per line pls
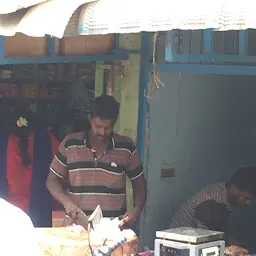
(145, 57)
(172, 46)
(146, 42)
(243, 42)
(117, 43)
(1, 47)
(51, 46)
(208, 41)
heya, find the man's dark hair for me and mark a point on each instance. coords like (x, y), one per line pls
(213, 215)
(245, 179)
(105, 107)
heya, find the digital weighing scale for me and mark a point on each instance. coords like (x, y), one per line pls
(189, 242)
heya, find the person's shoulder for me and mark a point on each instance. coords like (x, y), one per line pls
(216, 191)
(74, 139)
(75, 135)
(123, 142)
(121, 138)
(214, 187)
(206, 192)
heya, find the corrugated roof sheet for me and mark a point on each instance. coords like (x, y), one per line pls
(113, 16)
(162, 15)
(72, 27)
(127, 16)
(47, 18)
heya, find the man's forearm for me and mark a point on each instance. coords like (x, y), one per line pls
(139, 192)
(55, 188)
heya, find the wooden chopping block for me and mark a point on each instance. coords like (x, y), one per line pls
(60, 242)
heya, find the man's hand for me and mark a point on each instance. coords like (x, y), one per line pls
(234, 250)
(71, 209)
(130, 218)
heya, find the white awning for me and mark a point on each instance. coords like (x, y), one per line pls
(47, 18)
(14, 5)
(131, 16)
(89, 17)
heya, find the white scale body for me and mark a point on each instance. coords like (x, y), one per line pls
(189, 242)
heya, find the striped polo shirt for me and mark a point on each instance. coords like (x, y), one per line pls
(185, 217)
(100, 182)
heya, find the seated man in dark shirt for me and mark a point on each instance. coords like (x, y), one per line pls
(240, 190)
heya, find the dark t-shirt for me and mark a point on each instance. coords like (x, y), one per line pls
(242, 226)
(212, 215)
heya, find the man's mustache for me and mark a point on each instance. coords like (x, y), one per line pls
(100, 136)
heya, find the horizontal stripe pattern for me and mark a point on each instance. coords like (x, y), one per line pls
(185, 217)
(96, 189)
(58, 168)
(136, 172)
(97, 177)
(61, 159)
(102, 182)
(116, 169)
(74, 142)
(56, 173)
(129, 146)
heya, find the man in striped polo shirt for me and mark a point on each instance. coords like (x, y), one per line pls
(96, 161)
(240, 190)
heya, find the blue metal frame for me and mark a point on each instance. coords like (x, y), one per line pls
(1, 47)
(204, 69)
(181, 62)
(208, 42)
(119, 54)
(51, 46)
(146, 44)
(117, 43)
(143, 90)
(171, 54)
(243, 42)
(236, 59)
(171, 46)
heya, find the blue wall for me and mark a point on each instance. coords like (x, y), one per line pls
(205, 127)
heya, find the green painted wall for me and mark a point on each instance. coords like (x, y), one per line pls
(99, 79)
(126, 92)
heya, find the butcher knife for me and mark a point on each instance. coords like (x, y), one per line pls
(81, 219)
(95, 217)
